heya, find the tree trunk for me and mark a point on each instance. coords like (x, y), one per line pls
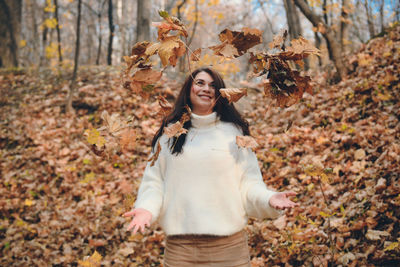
(344, 24)
(10, 27)
(60, 59)
(381, 14)
(111, 36)
(318, 45)
(293, 20)
(328, 34)
(69, 107)
(369, 19)
(99, 14)
(143, 20)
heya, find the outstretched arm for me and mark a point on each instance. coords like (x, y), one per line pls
(281, 201)
(141, 219)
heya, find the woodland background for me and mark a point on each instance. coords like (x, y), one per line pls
(61, 63)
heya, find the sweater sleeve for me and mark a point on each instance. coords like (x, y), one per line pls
(255, 194)
(151, 190)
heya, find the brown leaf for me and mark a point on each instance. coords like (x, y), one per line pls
(175, 129)
(195, 56)
(166, 107)
(233, 94)
(246, 142)
(234, 44)
(147, 76)
(128, 140)
(154, 158)
(170, 49)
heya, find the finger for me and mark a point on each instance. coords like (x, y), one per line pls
(135, 229)
(142, 227)
(130, 226)
(129, 213)
(290, 193)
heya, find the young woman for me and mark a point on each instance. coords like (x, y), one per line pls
(203, 187)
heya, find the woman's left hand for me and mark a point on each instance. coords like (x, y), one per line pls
(281, 201)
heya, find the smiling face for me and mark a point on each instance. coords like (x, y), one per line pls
(202, 94)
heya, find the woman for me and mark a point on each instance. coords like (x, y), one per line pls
(202, 186)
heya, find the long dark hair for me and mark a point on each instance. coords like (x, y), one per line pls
(226, 111)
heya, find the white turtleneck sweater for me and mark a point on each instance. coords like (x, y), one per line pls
(210, 188)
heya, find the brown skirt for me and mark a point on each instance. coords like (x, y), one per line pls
(196, 251)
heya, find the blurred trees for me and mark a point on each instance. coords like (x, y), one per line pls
(10, 25)
(44, 35)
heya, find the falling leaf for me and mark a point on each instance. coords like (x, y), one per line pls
(154, 158)
(170, 49)
(175, 130)
(234, 44)
(166, 107)
(246, 142)
(233, 94)
(147, 76)
(195, 56)
(113, 123)
(128, 139)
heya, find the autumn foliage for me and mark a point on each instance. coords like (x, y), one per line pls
(61, 204)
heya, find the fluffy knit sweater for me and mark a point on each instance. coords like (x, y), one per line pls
(210, 188)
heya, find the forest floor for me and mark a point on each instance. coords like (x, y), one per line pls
(61, 205)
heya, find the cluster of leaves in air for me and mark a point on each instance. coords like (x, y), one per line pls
(284, 84)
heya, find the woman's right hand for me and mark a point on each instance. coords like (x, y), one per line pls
(141, 219)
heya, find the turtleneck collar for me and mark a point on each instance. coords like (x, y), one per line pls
(203, 121)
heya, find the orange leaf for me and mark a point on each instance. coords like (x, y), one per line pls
(128, 140)
(233, 94)
(154, 158)
(175, 129)
(246, 141)
(166, 107)
(195, 56)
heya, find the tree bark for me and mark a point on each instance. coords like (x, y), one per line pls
(344, 24)
(111, 36)
(143, 20)
(328, 34)
(10, 27)
(60, 59)
(371, 27)
(99, 14)
(381, 14)
(293, 20)
(69, 107)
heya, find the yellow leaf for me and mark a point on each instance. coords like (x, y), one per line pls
(392, 246)
(29, 202)
(93, 261)
(88, 178)
(22, 43)
(323, 214)
(94, 138)
(50, 23)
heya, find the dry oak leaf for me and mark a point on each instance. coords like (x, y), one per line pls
(113, 123)
(175, 129)
(166, 107)
(233, 94)
(170, 49)
(147, 76)
(376, 234)
(235, 44)
(195, 56)
(154, 158)
(246, 142)
(279, 40)
(128, 139)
